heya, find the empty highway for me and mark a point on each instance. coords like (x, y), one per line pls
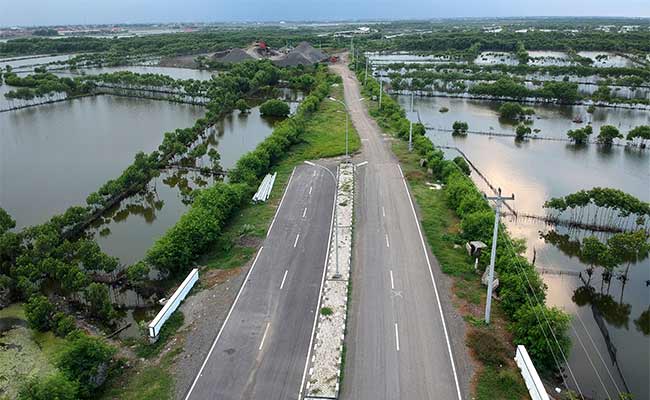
(398, 344)
(261, 350)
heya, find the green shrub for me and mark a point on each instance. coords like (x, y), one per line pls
(326, 311)
(275, 108)
(38, 312)
(137, 272)
(198, 228)
(53, 387)
(478, 226)
(85, 359)
(460, 128)
(462, 164)
(531, 330)
(487, 347)
(99, 301)
(63, 324)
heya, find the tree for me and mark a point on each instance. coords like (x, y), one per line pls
(531, 330)
(242, 106)
(275, 108)
(53, 387)
(522, 131)
(607, 135)
(99, 301)
(591, 252)
(510, 111)
(85, 359)
(6, 222)
(38, 311)
(642, 132)
(462, 164)
(581, 135)
(460, 128)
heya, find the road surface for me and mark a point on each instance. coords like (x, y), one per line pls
(397, 343)
(262, 348)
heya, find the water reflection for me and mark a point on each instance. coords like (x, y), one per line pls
(610, 314)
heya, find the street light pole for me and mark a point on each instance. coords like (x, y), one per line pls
(499, 200)
(337, 274)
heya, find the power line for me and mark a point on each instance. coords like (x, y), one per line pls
(546, 261)
(566, 362)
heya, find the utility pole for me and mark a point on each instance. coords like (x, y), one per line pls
(499, 200)
(410, 136)
(381, 89)
(411, 101)
(365, 79)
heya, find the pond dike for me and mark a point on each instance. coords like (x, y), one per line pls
(323, 378)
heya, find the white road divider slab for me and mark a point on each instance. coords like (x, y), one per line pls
(325, 364)
(172, 304)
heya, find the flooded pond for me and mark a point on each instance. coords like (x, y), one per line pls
(609, 319)
(130, 229)
(54, 156)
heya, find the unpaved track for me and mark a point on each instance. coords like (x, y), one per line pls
(397, 344)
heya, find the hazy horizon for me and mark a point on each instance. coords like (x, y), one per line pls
(79, 12)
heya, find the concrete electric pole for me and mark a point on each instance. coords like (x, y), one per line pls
(499, 200)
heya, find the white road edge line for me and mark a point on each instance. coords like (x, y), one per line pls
(296, 242)
(387, 244)
(286, 271)
(225, 321)
(304, 212)
(286, 189)
(433, 281)
(322, 282)
(396, 337)
(392, 282)
(264, 336)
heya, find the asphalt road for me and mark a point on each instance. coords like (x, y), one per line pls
(262, 348)
(397, 341)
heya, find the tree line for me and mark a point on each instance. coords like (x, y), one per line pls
(201, 226)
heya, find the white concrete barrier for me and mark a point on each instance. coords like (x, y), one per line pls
(172, 304)
(529, 373)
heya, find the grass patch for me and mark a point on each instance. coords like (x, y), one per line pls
(151, 382)
(14, 310)
(326, 311)
(498, 383)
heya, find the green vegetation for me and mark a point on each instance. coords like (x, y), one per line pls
(326, 311)
(85, 361)
(460, 128)
(45, 86)
(242, 106)
(38, 311)
(580, 135)
(513, 111)
(55, 386)
(274, 108)
(522, 131)
(198, 228)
